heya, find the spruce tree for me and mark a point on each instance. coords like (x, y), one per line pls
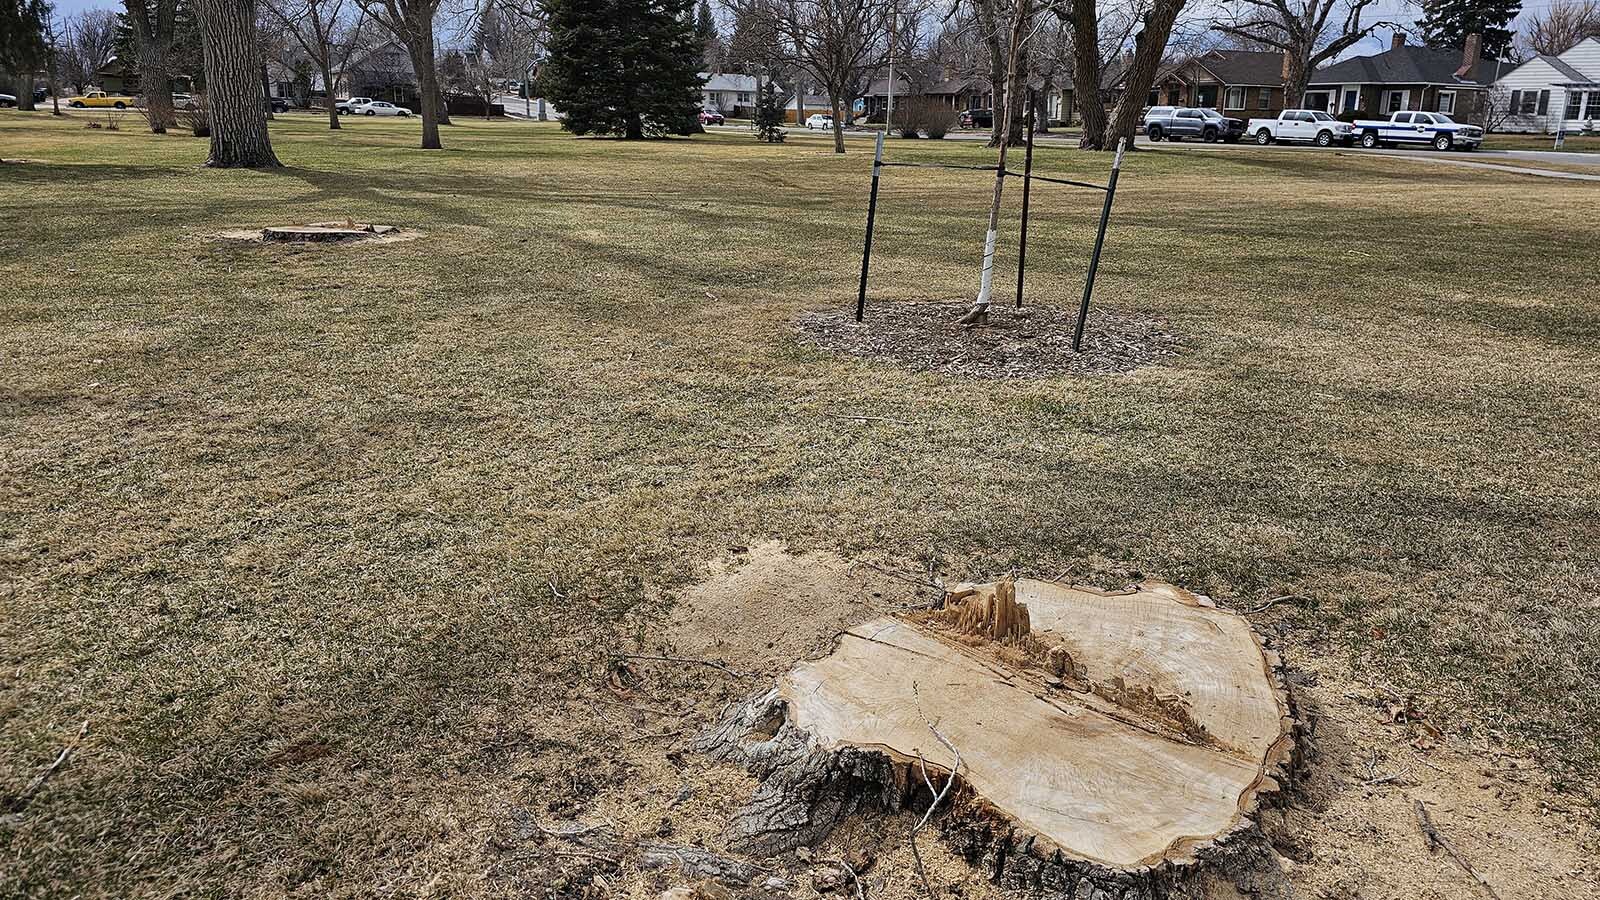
(769, 116)
(1445, 24)
(623, 67)
(22, 43)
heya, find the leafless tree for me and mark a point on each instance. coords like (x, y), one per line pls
(228, 34)
(1560, 27)
(411, 23)
(1006, 109)
(839, 43)
(154, 29)
(327, 31)
(89, 40)
(1310, 32)
(1148, 26)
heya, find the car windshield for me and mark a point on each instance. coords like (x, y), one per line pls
(1321, 116)
(1210, 114)
(1442, 119)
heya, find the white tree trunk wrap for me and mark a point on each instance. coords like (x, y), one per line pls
(986, 280)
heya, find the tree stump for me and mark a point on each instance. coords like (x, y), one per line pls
(325, 231)
(1112, 744)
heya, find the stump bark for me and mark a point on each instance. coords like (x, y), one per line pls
(1113, 744)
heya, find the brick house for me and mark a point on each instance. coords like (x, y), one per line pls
(1238, 83)
(1406, 77)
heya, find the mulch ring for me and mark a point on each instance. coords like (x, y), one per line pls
(1035, 342)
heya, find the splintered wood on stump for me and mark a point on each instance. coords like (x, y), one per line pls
(1113, 744)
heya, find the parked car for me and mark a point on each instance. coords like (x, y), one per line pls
(711, 117)
(1437, 129)
(182, 101)
(1174, 123)
(278, 104)
(819, 120)
(100, 100)
(976, 118)
(380, 108)
(345, 106)
(1312, 125)
(7, 100)
(40, 93)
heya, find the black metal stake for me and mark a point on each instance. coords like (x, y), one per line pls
(872, 212)
(1027, 184)
(1099, 241)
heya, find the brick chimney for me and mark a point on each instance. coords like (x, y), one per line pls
(1471, 53)
(1397, 40)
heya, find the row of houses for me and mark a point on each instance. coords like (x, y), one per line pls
(1543, 94)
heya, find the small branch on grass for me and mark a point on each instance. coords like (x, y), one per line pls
(571, 832)
(664, 734)
(868, 419)
(850, 870)
(1436, 841)
(20, 801)
(719, 666)
(938, 796)
(1286, 598)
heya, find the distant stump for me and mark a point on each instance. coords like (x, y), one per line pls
(325, 232)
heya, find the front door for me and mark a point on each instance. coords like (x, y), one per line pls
(1207, 96)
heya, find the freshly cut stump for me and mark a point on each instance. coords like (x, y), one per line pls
(1110, 742)
(325, 231)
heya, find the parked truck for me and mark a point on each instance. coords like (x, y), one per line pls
(1433, 128)
(1310, 125)
(99, 100)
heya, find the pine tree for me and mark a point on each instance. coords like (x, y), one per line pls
(1445, 24)
(623, 67)
(22, 43)
(769, 116)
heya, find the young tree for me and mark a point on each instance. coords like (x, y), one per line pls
(411, 23)
(839, 43)
(234, 91)
(1021, 17)
(1560, 27)
(1311, 32)
(327, 31)
(1445, 24)
(769, 116)
(623, 67)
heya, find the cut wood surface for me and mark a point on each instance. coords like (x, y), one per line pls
(1125, 729)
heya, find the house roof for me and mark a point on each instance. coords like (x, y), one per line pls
(1555, 62)
(723, 81)
(1406, 65)
(1256, 68)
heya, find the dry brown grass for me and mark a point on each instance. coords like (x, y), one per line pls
(328, 545)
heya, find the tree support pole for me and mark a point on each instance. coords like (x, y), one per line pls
(1027, 184)
(1099, 241)
(872, 212)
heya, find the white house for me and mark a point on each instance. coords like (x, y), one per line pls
(728, 94)
(1548, 93)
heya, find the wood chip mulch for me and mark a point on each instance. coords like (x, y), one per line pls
(1035, 342)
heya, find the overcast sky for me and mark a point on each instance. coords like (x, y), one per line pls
(1383, 11)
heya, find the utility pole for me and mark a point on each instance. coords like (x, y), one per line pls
(894, 21)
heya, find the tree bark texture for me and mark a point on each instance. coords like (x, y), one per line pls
(153, 23)
(333, 109)
(1148, 46)
(234, 92)
(1086, 65)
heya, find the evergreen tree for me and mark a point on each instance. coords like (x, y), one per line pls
(623, 67)
(769, 116)
(22, 44)
(1445, 24)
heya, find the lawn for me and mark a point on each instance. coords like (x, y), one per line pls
(299, 532)
(1572, 144)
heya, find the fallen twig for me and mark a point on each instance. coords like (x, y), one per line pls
(746, 446)
(720, 666)
(860, 894)
(901, 576)
(1286, 598)
(17, 803)
(868, 419)
(570, 832)
(1385, 779)
(664, 734)
(1437, 841)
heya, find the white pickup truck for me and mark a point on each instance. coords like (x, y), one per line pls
(1434, 128)
(1311, 125)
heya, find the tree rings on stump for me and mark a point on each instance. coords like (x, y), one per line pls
(1115, 740)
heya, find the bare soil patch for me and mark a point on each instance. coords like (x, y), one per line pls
(321, 234)
(1034, 342)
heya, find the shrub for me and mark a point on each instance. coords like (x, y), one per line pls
(938, 121)
(197, 117)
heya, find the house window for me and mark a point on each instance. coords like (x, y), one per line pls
(1574, 102)
(1234, 98)
(1594, 106)
(1264, 98)
(1447, 102)
(744, 97)
(1351, 97)
(1394, 101)
(1529, 103)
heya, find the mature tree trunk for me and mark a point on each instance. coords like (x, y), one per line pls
(24, 89)
(838, 120)
(989, 22)
(234, 90)
(153, 24)
(635, 130)
(333, 110)
(1086, 65)
(266, 93)
(1148, 47)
